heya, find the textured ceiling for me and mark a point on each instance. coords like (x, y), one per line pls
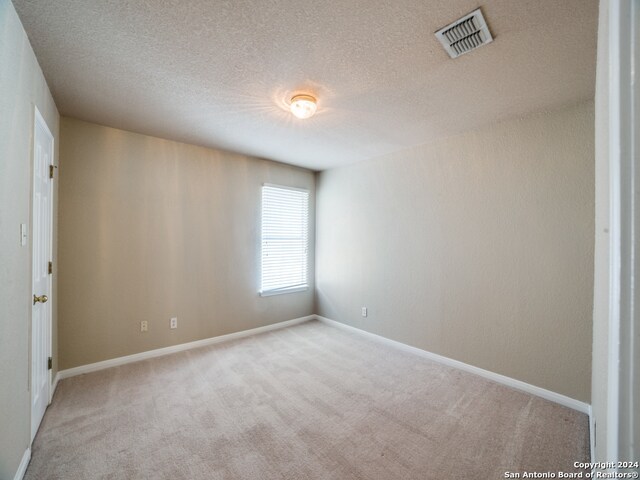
(219, 73)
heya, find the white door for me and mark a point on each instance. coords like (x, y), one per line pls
(42, 250)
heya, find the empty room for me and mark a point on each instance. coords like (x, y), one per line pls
(319, 240)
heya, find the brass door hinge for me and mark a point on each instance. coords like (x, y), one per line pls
(50, 363)
(51, 169)
(50, 268)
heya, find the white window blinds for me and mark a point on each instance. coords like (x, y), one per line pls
(285, 238)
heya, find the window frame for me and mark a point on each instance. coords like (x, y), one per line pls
(293, 288)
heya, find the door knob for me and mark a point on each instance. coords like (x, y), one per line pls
(41, 299)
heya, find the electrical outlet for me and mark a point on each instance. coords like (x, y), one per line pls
(364, 311)
(174, 322)
(144, 326)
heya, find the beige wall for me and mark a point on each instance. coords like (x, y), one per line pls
(22, 86)
(151, 229)
(478, 247)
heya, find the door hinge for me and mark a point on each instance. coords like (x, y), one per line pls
(51, 169)
(50, 268)
(50, 363)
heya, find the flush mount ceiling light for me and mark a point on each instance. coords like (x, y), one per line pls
(303, 106)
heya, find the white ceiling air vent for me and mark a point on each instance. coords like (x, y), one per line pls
(465, 34)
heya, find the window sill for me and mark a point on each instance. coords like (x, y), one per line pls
(281, 291)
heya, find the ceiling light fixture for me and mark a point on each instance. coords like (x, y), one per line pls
(303, 106)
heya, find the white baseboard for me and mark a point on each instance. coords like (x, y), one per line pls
(496, 377)
(54, 385)
(24, 463)
(114, 362)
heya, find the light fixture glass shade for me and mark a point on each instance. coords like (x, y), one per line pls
(303, 106)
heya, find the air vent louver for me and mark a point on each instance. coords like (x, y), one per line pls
(465, 34)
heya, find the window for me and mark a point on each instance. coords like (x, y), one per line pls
(285, 238)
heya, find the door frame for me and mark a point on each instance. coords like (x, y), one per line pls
(623, 383)
(39, 121)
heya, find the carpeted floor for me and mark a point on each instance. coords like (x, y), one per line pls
(307, 402)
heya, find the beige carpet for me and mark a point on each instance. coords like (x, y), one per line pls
(306, 402)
